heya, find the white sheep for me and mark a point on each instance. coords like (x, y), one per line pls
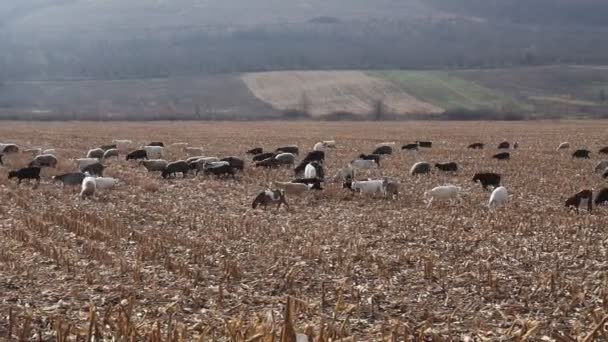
(368, 186)
(154, 152)
(310, 171)
(95, 153)
(420, 168)
(88, 187)
(84, 162)
(193, 151)
(563, 146)
(601, 166)
(499, 197)
(291, 188)
(113, 152)
(286, 158)
(363, 164)
(154, 165)
(444, 192)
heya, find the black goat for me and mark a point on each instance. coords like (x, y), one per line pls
(502, 156)
(581, 154)
(313, 156)
(25, 173)
(448, 167)
(137, 154)
(173, 168)
(476, 146)
(487, 179)
(577, 199)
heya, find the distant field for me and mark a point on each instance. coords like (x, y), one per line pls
(333, 91)
(447, 91)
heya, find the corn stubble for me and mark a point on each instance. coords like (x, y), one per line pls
(188, 260)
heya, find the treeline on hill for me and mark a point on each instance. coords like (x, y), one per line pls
(374, 44)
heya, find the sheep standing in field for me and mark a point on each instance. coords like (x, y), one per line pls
(601, 197)
(584, 154)
(383, 150)
(420, 168)
(154, 165)
(105, 182)
(386, 143)
(313, 156)
(89, 185)
(84, 162)
(391, 187)
(235, 163)
(447, 167)
(9, 148)
(601, 166)
(290, 188)
(199, 163)
(219, 170)
(113, 152)
(138, 154)
(487, 179)
(269, 163)
(95, 153)
(364, 164)
(498, 197)
(372, 187)
(502, 156)
(579, 199)
(445, 192)
(25, 173)
(373, 157)
(426, 144)
(71, 178)
(476, 146)
(314, 170)
(44, 160)
(504, 145)
(270, 197)
(95, 169)
(286, 158)
(154, 152)
(175, 167)
(563, 146)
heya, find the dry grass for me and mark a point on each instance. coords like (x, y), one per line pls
(171, 260)
(332, 91)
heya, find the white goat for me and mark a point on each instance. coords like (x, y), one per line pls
(88, 187)
(445, 192)
(499, 197)
(154, 152)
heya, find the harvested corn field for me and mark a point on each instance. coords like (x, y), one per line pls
(188, 259)
(326, 92)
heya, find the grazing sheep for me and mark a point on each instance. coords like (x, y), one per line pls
(288, 149)
(270, 197)
(156, 143)
(290, 188)
(44, 160)
(89, 185)
(9, 148)
(448, 167)
(26, 173)
(269, 163)
(255, 150)
(420, 168)
(410, 147)
(94, 169)
(504, 145)
(319, 147)
(601, 197)
(445, 192)
(426, 144)
(603, 150)
(95, 153)
(318, 156)
(601, 166)
(263, 156)
(193, 151)
(154, 152)
(154, 165)
(113, 152)
(216, 164)
(487, 179)
(84, 162)
(223, 170)
(105, 182)
(476, 146)
(108, 147)
(581, 154)
(49, 151)
(235, 163)
(71, 178)
(382, 150)
(33, 151)
(329, 143)
(502, 156)
(364, 164)
(578, 199)
(373, 157)
(563, 146)
(179, 166)
(366, 187)
(137, 154)
(200, 163)
(286, 158)
(498, 197)
(313, 183)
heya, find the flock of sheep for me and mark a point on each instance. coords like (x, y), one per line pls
(309, 172)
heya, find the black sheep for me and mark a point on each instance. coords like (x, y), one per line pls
(108, 147)
(448, 167)
(270, 197)
(427, 144)
(95, 169)
(224, 170)
(235, 163)
(382, 150)
(255, 150)
(581, 154)
(316, 183)
(373, 157)
(137, 154)
(601, 197)
(26, 173)
(410, 147)
(11, 148)
(502, 156)
(504, 145)
(487, 179)
(156, 143)
(604, 150)
(263, 156)
(288, 149)
(476, 146)
(72, 178)
(179, 166)
(577, 199)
